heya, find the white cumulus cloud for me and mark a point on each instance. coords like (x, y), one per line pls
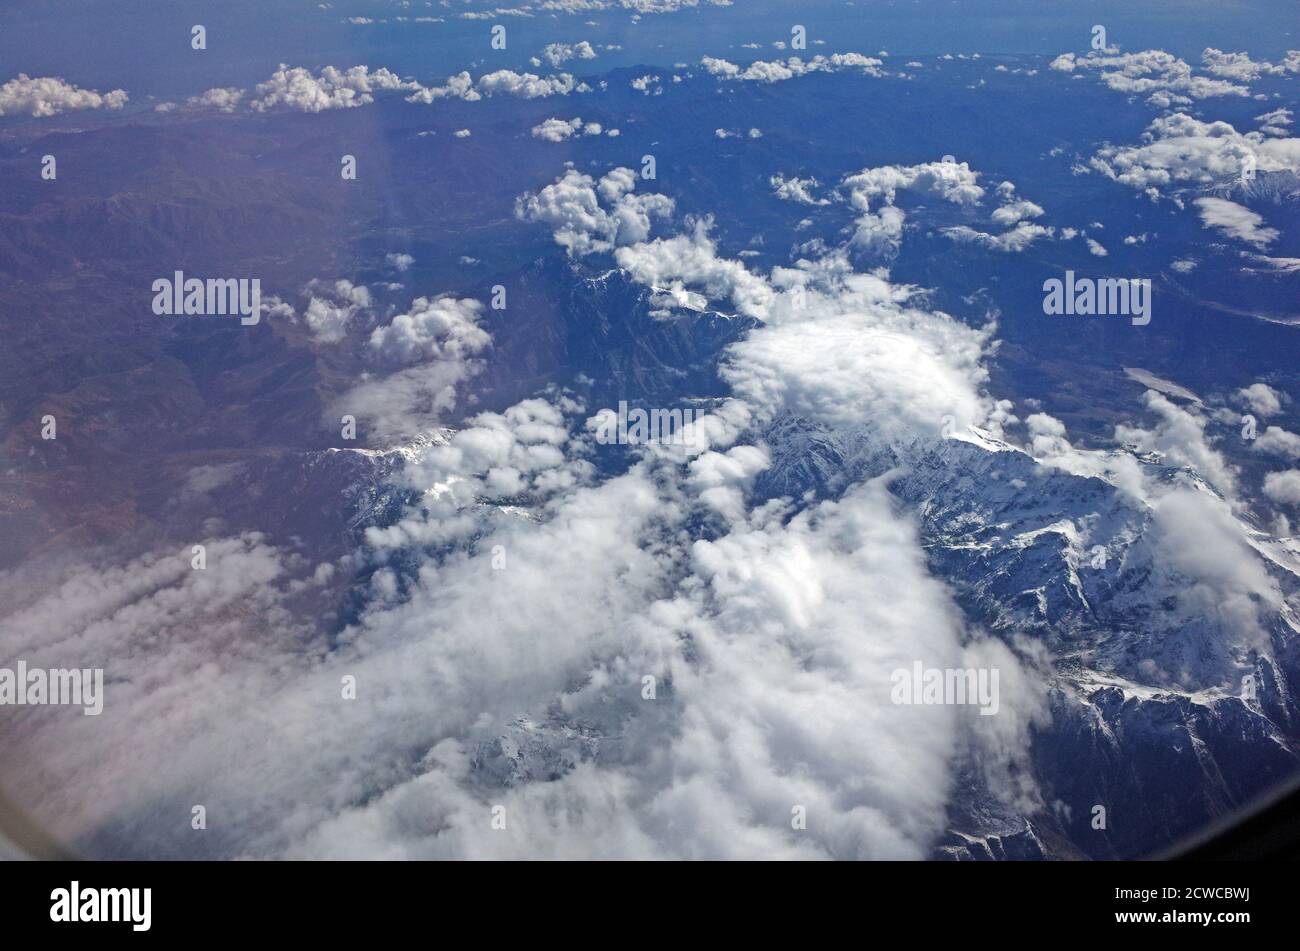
(44, 96)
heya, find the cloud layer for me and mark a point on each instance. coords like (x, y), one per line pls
(45, 96)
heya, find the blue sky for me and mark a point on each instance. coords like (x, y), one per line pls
(144, 46)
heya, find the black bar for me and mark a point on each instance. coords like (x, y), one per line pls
(335, 900)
